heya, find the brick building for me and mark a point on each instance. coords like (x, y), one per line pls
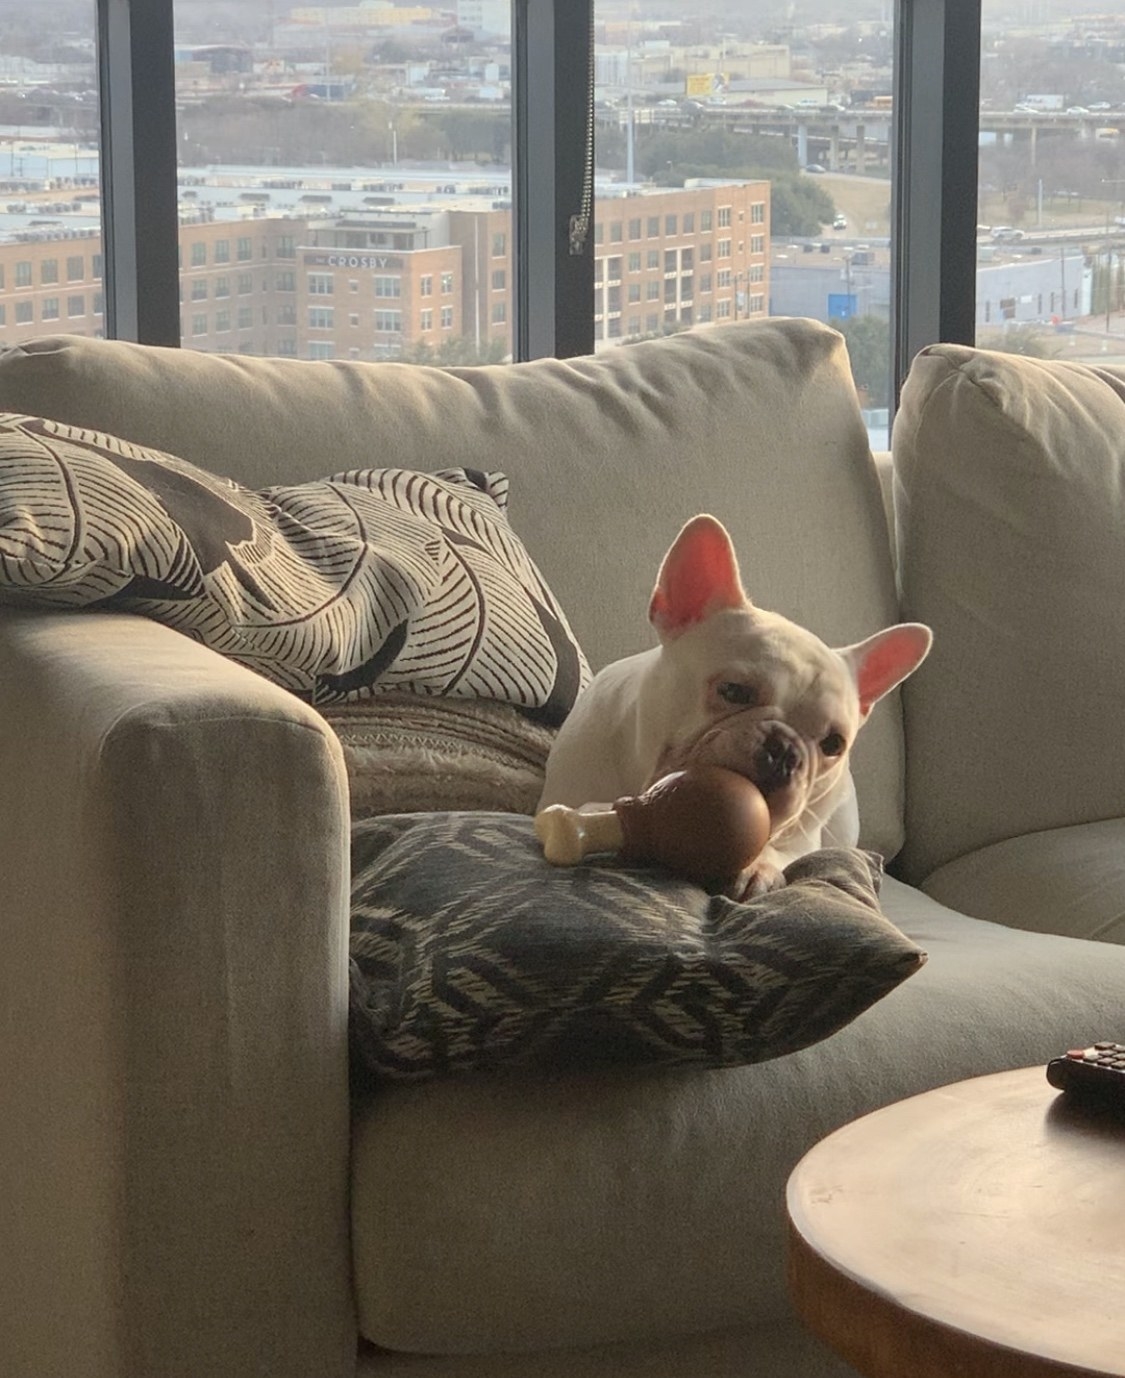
(395, 279)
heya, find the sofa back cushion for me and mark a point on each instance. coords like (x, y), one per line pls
(1010, 504)
(756, 422)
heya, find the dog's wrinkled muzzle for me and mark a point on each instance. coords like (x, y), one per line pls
(765, 750)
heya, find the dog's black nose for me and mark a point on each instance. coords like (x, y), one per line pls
(776, 762)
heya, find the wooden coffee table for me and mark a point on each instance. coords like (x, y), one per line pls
(977, 1230)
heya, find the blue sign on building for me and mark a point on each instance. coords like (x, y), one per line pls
(841, 306)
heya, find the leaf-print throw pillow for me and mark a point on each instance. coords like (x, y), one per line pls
(370, 580)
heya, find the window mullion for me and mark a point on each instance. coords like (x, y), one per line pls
(936, 134)
(140, 226)
(552, 168)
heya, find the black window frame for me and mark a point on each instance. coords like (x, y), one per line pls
(934, 152)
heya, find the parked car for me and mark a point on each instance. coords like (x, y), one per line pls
(840, 222)
(1006, 232)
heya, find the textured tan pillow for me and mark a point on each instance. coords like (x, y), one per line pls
(408, 754)
(1010, 500)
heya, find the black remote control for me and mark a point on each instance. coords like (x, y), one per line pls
(1094, 1073)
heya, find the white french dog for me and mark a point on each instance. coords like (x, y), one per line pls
(732, 685)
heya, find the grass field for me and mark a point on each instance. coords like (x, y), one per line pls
(866, 201)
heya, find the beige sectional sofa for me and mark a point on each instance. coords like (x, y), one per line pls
(190, 1193)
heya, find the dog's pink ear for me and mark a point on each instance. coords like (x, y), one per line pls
(698, 576)
(885, 659)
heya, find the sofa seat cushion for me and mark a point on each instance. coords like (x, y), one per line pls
(1010, 503)
(370, 580)
(1065, 880)
(755, 421)
(471, 952)
(531, 1211)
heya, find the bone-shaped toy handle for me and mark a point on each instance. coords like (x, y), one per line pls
(568, 835)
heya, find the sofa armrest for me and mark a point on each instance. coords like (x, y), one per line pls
(173, 905)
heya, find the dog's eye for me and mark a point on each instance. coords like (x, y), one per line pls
(833, 744)
(730, 691)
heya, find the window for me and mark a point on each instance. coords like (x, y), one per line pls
(199, 325)
(23, 273)
(245, 318)
(321, 284)
(49, 310)
(499, 312)
(222, 138)
(447, 317)
(446, 284)
(426, 320)
(670, 222)
(76, 306)
(245, 284)
(320, 317)
(723, 220)
(286, 281)
(388, 287)
(499, 280)
(222, 250)
(499, 244)
(25, 312)
(199, 289)
(222, 287)
(49, 270)
(222, 322)
(426, 286)
(388, 322)
(75, 268)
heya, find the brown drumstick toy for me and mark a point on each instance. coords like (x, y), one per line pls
(704, 823)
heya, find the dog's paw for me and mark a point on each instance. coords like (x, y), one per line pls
(757, 880)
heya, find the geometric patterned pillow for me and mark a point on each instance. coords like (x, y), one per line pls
(470, 952)
(371, 580)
